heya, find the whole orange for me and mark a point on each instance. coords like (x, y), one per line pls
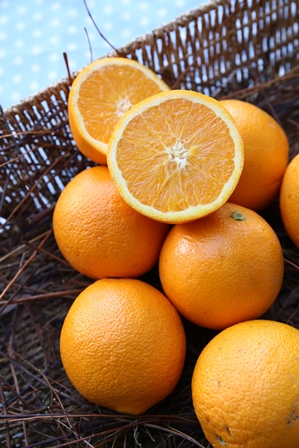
(289, 200)
(245, 386)
(222, 269)
(266, 150)
(99, 234)
(123, 345)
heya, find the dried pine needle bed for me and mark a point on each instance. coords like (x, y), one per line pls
(243, 49)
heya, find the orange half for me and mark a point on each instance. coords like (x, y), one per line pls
(100, 94)
(176, 156)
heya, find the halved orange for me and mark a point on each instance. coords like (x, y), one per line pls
(176, 156)
(99, 96)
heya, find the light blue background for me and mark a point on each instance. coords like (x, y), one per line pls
(34, 34)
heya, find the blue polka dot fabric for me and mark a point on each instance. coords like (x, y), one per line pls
(34, 34)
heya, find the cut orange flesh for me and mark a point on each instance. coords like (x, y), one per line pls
(101, 93)
(176, 156)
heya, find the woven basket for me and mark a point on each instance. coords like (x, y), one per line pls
(242, 49)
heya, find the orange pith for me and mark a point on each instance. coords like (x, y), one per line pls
(176, 156)
(100, 94)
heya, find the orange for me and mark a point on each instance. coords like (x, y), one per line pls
(123, 345)
(222, 269)
(99, 234)
(266, 150)
(176, 156)
(99, 96)
(245, 386)
(289, 200)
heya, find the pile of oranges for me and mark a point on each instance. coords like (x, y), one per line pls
(179, 183)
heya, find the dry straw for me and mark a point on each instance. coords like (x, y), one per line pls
(240, 49)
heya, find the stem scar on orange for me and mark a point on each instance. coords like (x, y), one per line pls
(100, 94)
(176, 156)
(222, 269)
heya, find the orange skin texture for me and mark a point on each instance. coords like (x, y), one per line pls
(99, 234)
(218, 271)
(245, 386)
(289, 200)
(123, 345)
(266, 151)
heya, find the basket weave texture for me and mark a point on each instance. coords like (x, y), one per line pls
(234, 49)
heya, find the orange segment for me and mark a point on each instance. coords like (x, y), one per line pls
(176, 156)
(101, 93)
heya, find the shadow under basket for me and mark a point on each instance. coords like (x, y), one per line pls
(247, 50)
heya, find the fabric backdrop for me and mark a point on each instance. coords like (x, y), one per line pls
(34, 34)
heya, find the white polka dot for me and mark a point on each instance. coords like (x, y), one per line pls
(54, 40)
(55, 6)
(15, 96)
(72, 29)
(180, 3)
(19, 43)
(126, 2)
(35, 68)
(21, 10)
(72, 12)
(20, 26)
(72, 64)
(4, 19)
(126, 15)
(144, 21)
(1, 71)
(162, 12)
(18, 60)
(5, 4)
(108, 9)
(37, 33)
(126, 33)
(34, 86)
(16, 79)
(38, 2)
(53, 57)
(108, 26)
(87, 55)
(52, 75)
(106, 46)
(54, 23)
(3, 35)
(72, 46)
(37, 16)
(91, 36)
(143, 6)
(36, 49)
(2, 53)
